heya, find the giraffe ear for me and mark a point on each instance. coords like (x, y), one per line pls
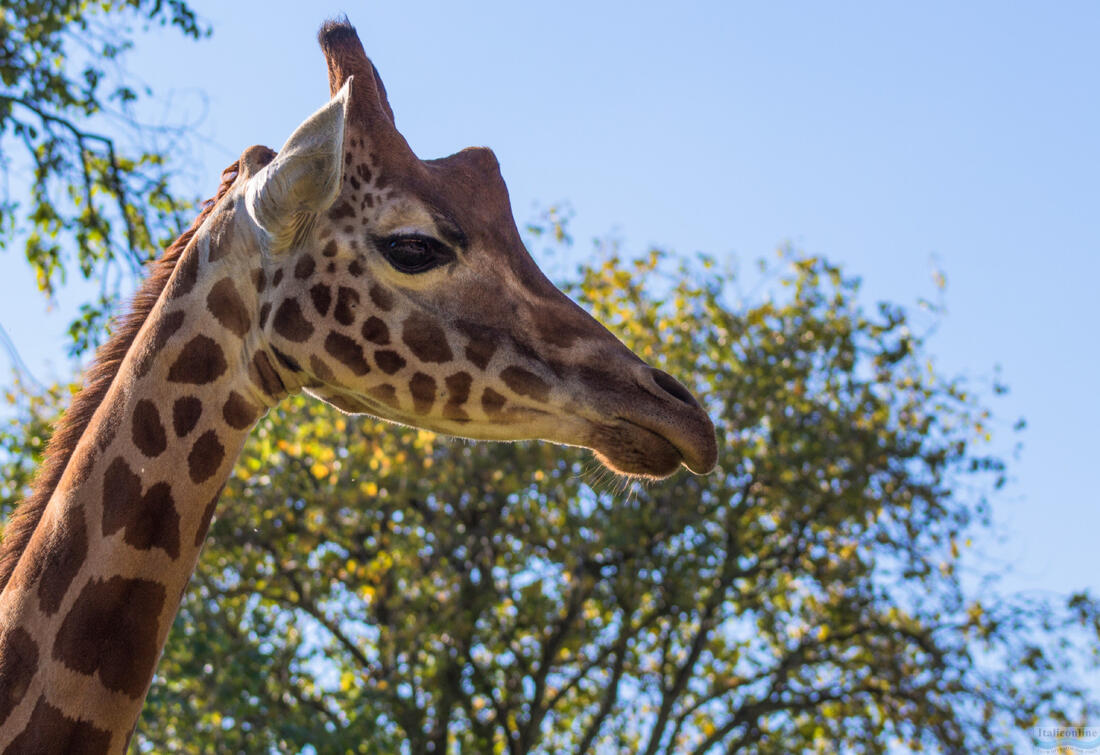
(306, 174)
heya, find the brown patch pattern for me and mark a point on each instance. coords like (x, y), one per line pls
(162, 330)
(422, 388)
(385, 393)
(111, 420)
(347, 352)
(304, 267)
(51, 731)
(375, 331)
(347, 300)
(320, 370)
(382, 297)
(526, 383)
(112, 629)
(225, 304)
(289, 322)
(18, 662)
(147, 432)
(389, 361)
(458, 391)
(264, 376)
(64, 554)
(425, 338)
(207, 517)
(481, 346)
(148, 521)
(200, 362)
(238, 412)
(492, 402)
(205, 457)
(340, 211)
(321, 295)
(185, 414)
(187, 272)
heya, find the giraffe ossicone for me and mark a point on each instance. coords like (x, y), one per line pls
(343, 266)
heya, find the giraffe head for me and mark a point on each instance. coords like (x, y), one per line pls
(400, 288)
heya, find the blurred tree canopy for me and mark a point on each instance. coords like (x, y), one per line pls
(377, 589)
(97, 201)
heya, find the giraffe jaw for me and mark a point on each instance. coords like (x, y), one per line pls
(627, 447)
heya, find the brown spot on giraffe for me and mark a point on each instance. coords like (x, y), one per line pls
(148, 521)
(264, 376)
(205, 457)
(425, 339)
(225, 304)
(347, 351)
(112, 630)
(330, 249)
(289, 322)
(382, 297)
(238, 413)
(265, 310)
(492, 402)
(187, 272)
(305, 266)
(321, 370)
(64, 554)
(185, 414)
(147, 432)
(340, 211)
(482, 343)
(389, 361)
(321, 296)
(18, 662)
(355, 267)
(51, 731)
(162, 329)
(259, 280)
(220, 230)
(375, 331)
(422, 387)
(526, 383)
(385, 393)
(207, 517)
(200, 362)
(286, 360)
(113, 415)
(458, 391)
(347, 300)
(277, 278)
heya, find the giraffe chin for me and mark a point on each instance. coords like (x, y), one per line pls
(634, 451)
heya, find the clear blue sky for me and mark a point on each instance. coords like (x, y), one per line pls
(883, 135)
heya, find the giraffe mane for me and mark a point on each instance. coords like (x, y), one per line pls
(108, 358)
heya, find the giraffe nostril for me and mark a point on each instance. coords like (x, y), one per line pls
(672, 387)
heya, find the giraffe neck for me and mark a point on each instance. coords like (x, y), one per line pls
(87, 611)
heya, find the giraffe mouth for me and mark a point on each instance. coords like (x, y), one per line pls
(628, 448)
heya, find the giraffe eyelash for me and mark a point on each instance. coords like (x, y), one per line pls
(414, 253)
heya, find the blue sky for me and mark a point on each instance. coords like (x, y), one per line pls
(891, 138)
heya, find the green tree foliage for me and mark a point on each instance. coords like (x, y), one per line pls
(97, 200)
(370, 588)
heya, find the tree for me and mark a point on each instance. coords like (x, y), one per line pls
(374, 589)
(98, 201)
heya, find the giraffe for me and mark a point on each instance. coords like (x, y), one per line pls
(343, 266)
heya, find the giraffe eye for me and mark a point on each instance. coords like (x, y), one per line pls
(415, 254)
